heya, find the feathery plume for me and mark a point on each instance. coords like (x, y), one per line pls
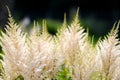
(109, 52)
(13, 45)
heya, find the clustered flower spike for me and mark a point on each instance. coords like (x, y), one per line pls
(109, 52)
(39, 56)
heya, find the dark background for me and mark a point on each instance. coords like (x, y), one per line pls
(56, 8)
(98, 15)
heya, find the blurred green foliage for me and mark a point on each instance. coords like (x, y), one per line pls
(63, 74)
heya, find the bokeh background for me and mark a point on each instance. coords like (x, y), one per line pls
(99, 15)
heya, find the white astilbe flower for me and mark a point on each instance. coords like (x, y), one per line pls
(77, 52)
(40, 63)
(69, 40)
(109, 52)
(14, 47)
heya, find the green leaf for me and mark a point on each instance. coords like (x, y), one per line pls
(64, 74)
(20, 77)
